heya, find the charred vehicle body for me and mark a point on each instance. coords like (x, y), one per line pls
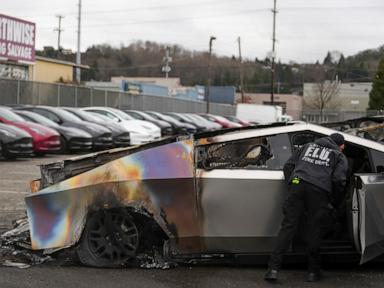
(213, 195)
(366, 127)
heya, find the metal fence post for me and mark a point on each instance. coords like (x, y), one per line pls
(18, 92)
(91, 100)
(76, 105)
(119, 101)
(38, 94)
(105, 98)
(58, 95)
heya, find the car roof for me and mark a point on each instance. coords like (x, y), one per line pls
(272, 129)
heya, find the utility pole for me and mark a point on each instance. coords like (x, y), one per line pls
(241, 72)
(78, 54)
(274, 11)
(59, 30)
(209, 71)
(166, 68)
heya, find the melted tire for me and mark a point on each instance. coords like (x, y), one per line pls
(109, 239)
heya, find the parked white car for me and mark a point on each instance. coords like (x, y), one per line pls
(140, 131)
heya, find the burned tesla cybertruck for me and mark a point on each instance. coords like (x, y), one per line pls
(212, 195)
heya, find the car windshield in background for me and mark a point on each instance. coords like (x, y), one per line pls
(122, 115)
(67, 116)
(10, 116)
(135, 115)
(40, 119)
(87, 116)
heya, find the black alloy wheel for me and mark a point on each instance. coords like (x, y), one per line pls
(109, 239)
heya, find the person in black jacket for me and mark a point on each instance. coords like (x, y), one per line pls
(316, 175)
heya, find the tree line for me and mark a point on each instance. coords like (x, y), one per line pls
(145, 58)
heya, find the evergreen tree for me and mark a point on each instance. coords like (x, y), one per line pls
(376, 96)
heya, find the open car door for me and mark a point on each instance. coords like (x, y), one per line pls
(368, 215)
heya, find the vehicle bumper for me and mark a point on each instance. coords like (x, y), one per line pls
(137, 139)
(48, 145)
(103, 141)
(80, 144)
(19, 148)
(122, 140)
(167, 131)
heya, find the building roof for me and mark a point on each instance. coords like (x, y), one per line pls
(62, 62)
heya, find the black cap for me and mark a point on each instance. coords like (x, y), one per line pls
(337, 138)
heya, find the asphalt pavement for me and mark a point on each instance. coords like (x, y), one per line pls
(14, 185)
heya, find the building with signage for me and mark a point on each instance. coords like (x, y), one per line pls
(52, 70)
(17, 47)
(350, 100)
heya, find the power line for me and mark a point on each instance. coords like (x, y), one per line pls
(249, 11)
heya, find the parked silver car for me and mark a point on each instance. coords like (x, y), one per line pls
(215, 196)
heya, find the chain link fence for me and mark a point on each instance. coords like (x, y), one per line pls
(13, 92)
(329, 116)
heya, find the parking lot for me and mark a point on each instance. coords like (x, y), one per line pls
(15, 178)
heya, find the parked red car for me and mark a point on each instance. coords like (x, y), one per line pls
(45, 140)
(237, 120)
(221, 120)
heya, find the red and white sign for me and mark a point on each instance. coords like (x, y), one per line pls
(17, 39)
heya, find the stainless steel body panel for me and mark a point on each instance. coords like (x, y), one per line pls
(240, 206)
(370, 195)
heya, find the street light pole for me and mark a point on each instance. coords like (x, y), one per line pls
(209, 71)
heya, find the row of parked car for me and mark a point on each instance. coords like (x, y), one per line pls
(26, 130)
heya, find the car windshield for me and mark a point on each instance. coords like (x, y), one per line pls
(135, 115)
(84, 115)
(198, 117)
(38, 118)
(154, 115)
(11, 116)
(122, 114)
(67, 116)
(177, 117)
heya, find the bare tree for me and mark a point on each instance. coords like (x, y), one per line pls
(323, 94)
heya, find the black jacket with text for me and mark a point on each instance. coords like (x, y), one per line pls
(320, 163)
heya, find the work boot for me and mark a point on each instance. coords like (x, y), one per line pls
(313, 276)
(271, 275)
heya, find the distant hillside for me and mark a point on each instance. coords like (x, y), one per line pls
(145, 59)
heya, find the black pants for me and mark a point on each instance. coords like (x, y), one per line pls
(303, 197)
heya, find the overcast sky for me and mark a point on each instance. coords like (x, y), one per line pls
(305, 29)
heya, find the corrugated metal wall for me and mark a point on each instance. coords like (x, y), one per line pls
(37, 93)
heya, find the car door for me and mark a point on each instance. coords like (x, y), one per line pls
(240, 200)
(368, 211)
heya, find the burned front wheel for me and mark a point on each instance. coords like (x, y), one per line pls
(109, 239)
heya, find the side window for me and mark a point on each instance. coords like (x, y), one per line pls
(378, 160)
(301, 138)
(267, 153)
(48, 115)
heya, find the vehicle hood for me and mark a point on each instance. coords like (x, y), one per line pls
(36, 130)
(133, 126)
(92, 128)
(115, 128)
(10, 133)
(147, 125)
(162, 124)
(73, 132)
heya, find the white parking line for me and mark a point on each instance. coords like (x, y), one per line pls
(12, 192)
